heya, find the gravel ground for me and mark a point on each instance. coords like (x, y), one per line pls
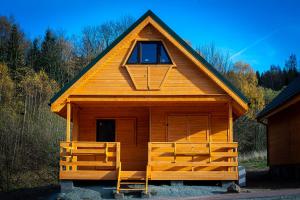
(259, 186)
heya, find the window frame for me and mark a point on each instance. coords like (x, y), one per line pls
(159, 44)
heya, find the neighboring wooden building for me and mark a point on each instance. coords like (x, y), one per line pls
(149, 107)
(282, 118)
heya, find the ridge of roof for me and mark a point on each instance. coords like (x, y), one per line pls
(288, 93)
(173, 34)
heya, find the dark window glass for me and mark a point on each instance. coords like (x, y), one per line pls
(164, 57)
(106, 129)
(149, 53)
(134, 58)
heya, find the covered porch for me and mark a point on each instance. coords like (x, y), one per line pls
(161, 140)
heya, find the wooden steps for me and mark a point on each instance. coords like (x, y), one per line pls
(132, 181)
(133, 175)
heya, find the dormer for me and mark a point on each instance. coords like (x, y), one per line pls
(148, 64)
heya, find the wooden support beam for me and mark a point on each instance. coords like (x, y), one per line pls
(75, 129)
(230, 123)
(68, 130)
(150, 124)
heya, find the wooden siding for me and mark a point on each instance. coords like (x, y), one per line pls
(112, 78)
(284, 136)
(132, 130)
(206, 119)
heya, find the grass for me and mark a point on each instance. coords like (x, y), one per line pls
(254, 160)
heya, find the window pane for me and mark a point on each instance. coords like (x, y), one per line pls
(149, 52)
(164, 58)
(133, 59)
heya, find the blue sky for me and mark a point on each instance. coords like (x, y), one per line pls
(260, 32)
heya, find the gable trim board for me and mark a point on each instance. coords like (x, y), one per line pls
(180, 43)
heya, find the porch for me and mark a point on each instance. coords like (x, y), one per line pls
(166, 161)
(159, 141)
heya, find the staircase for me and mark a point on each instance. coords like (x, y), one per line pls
(132, 181)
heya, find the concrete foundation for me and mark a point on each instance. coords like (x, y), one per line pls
(66, 186)
(176, 183)
(242, 176)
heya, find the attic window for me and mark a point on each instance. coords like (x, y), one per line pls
(149, 52)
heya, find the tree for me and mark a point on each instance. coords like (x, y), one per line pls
(33, 55)
(5, 27)
(217, 58)
(15, 50)
(290, 68)
(51, 57)
(96, 38)
(6, 85)
(250, 134)
(275, 78)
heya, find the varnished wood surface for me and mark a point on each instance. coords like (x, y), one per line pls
(284, 136)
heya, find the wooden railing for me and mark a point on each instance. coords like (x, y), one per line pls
(210, 160)
(89, 160)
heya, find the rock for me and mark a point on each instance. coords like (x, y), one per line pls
(80, 194)
(234, 188)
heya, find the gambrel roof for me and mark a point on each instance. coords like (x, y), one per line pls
(209, 69)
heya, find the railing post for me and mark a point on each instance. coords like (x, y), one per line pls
(209, 151)
(174, 152)
(106, 152)
(118, 158)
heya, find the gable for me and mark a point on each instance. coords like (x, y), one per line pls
(189, 76)
(112, 78)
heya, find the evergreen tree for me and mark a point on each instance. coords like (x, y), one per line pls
(258, 77)
(5, 27)
(291, 68)
(15, 50)
(34, 55)
(51, 57)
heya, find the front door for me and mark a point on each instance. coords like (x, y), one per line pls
(106, 130)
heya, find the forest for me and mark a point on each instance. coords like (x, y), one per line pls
(32, 70)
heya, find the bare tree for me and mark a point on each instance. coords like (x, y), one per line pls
(216, 57)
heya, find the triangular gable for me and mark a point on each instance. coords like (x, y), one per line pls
(184, 47)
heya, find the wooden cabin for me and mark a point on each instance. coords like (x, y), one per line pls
(149, 107)
(282, 118)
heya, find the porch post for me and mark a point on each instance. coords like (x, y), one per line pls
(68, 130)
(230, 123)
(75, 123)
